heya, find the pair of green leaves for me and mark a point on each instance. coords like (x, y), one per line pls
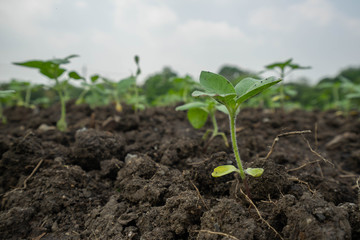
(226, 169)
(221, 89)
(50, 68)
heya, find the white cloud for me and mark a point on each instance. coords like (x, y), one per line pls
(201, 30)
(136, 15)
(288, 17)
(22, 16)
(319, 12)
(81, 4)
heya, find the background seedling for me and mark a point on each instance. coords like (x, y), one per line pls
(5, 96)
(52, 70)
(198, 112)
(221, 90)
(126, 90)
(284, 69)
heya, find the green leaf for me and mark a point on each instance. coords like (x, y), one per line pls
(75, 75)
(94, 78)
(136, 58)
(280, 65)
(216, 84)
(31, 64)
(59, 61)
(191, 105)
(5, 93)
(51, 70)
(255, 172)
(222, 108)
(227, 99)
(124, 84)
(224, 170)
(294, 66)
(249, 87)
(197, 117)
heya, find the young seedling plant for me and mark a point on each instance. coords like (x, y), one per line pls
(198, 112)
(221, 90)
(5, 96)
(284, 69)
(52, 69)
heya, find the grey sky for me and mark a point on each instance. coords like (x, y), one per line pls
(189, 36)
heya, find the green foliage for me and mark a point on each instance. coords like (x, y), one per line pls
(5, 96)
(198, 113)
(52, 69)
(158, 85)
(284, 69)
(125, 90)
(235, 74)
(221, 90)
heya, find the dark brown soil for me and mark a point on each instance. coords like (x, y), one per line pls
(147, 176)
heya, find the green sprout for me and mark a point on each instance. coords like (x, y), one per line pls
(198, 112)
(284, 69)
(4, 97)
(52, 70)
(221, 90)
(126, 90)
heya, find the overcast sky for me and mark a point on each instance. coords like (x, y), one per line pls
(187, 35)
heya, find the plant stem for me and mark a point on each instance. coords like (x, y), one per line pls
(213, 119)
(61, 124)
(282, 94)
(232, 116)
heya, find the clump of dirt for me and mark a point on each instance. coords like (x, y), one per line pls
(147, 175)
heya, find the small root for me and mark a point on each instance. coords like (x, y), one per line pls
(217, 233)
(201, 198)
(302, 166)
(259, 214)
(302, 182)
(276, 139)
(26, 180)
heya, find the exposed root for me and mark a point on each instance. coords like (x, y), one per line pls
(283, 135)
(302, 166)
(27, 179)
(358, 187)
(217, 233)
(317, 154)
(39, 237)
(302, 182)
(201, 198)
(259, 214)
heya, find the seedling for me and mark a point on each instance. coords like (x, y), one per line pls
(4, 97)
(87, 87)
(198, 112)
(284, 69)
(52, 70)
(221, 90)
(126, 90)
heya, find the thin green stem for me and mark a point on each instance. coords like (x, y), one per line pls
(61, 124)
(232, 116)
(282, 94)
(213, 119)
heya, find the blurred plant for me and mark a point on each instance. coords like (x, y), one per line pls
(180, 91)
(52, 69)
(5, 97)
(23, 91)
(197, 114)
(284, 69)
(87, 87)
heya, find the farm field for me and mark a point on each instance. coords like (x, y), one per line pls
(147, 175)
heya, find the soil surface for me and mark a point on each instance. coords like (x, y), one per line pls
(147, 175)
